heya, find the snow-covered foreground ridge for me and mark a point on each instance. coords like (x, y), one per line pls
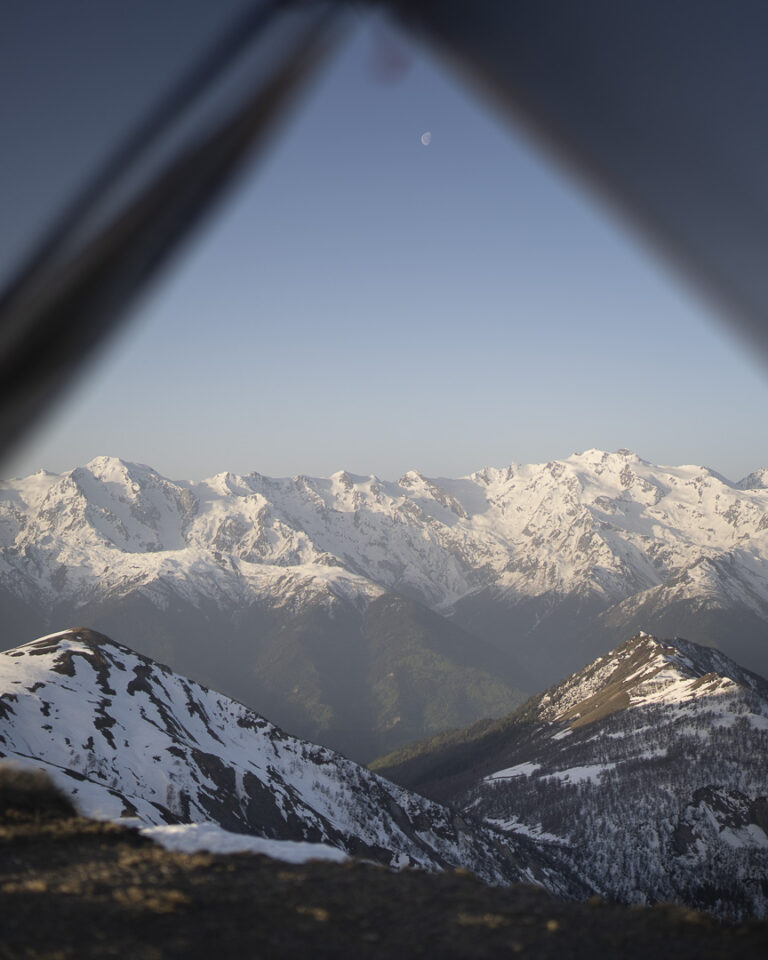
(127, 737)
(610, 524)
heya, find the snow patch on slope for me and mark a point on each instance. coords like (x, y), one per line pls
(210, 838)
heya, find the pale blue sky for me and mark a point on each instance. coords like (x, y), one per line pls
(367, 302)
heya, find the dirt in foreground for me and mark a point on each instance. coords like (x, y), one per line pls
(75, 888)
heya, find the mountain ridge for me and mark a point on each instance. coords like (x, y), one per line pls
(644, 770)
(305, 521)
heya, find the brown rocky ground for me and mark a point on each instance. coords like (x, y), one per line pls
(75, 888)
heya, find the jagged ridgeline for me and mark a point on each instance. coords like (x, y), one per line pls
(645, 773)
(366, 614)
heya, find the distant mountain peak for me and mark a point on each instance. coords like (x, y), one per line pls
(411, 477)
(105, 467)
(595, 455)
(757, 480)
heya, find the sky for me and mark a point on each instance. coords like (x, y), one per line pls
(366, 302)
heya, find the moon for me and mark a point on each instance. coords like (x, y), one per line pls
(426, 138)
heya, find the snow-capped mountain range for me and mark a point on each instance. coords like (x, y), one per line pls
(609, 523)
(645, 772)
(127, 737)
(550, 563)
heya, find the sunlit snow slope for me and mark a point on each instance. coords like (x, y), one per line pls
(610, 522)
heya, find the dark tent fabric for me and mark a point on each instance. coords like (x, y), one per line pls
(662, 105)
(156, 181)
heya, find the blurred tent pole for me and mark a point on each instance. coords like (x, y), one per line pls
(661, 104)
(147, 199)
